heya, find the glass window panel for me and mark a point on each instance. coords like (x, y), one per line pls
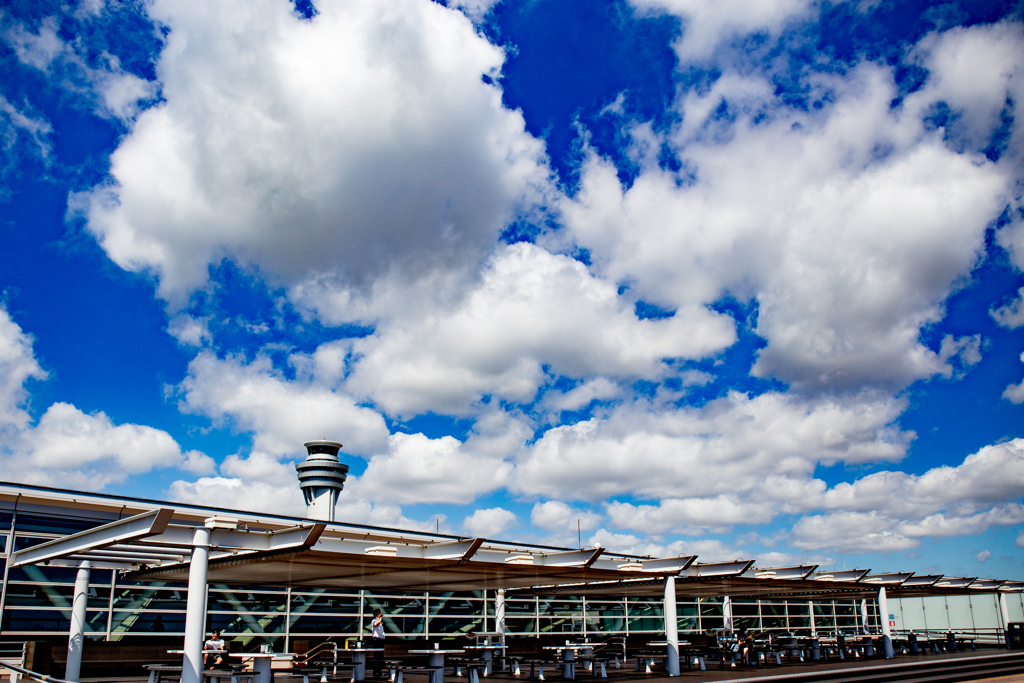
(845, 609)
(688, 624)
(310, 624)
(50, 621)
(45, 574)
(797, 609)
(560, 608)
(3, 543)
(687, 609)
(477, 595)
(741, 610)
(561, 625)
(935, 613)
(397, 605)
(823, 609)
(245, 623)
(134, 598)
(147, 622)
(960, 611)
(453, 625)
(41, 595)
(246, 601)
(519, 625)
(5, 520)
(773, 622)
(773, 609)
(799, 622)
(711, 623)
(456, 607)
(606, 625)
(317, 603)
(524, 607)
(53, 524)
(400, 624)
(710, 610)
(986, 612)
(644, 609)
(605, 609)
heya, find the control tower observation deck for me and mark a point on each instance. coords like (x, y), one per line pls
(321, 478)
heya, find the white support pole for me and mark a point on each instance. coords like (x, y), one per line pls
(810, 610)
(864, 616)
(499, 615)
(727, 612)
(883, 618)
(1005, 614)
(76, 638)
(195, 608)
(671, 627)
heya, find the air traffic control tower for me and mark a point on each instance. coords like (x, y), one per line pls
(321, 478)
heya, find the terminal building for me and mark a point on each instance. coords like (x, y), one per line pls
(286, 581)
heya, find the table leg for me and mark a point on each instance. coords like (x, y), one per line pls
(359, 666)
(261, 669)
(488, 657)
(568, 664)
(437, 660)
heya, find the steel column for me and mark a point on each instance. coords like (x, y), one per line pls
(864, 616)
(195, 608)
(727, 613)
(671, 627)
(1005, 614)
(499, 615)
(883, 618)
(76, 638)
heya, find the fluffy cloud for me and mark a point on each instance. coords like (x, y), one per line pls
(983, 555)
(531, 309)
(17, 365)
(361, 140)
(849, 225)
(112, 91)
(707, 22)
(894, 510)
(67, 447)
(489, 523)
(281, 414)
(1014, 393)
(554, 515)
(770, 443)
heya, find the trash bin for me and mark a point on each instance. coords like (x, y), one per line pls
(1015, 635)
(912, 639)
(950, 642)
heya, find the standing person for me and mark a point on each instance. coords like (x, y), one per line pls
(377, 641)
(213, 650)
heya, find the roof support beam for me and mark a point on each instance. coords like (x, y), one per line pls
(130, 529)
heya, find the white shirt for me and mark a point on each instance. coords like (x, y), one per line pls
(214, 645)
(377, 627)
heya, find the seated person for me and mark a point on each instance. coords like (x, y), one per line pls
(213, 650)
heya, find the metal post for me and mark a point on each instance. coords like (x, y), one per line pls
(727, 613)
(1005, 614)
(671, 627)
(883, 617)
(864, 616)
(9, 550)
(76, 638)
(499, 615)
(810, 610)
(288, 619)
(110, 602)
(195, 608)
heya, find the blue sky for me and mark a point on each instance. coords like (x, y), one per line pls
(713, 277)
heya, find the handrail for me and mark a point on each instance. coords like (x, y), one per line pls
(306, 656)
(33, 675)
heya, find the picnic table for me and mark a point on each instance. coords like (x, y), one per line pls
(261, 663)
(437, 660)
